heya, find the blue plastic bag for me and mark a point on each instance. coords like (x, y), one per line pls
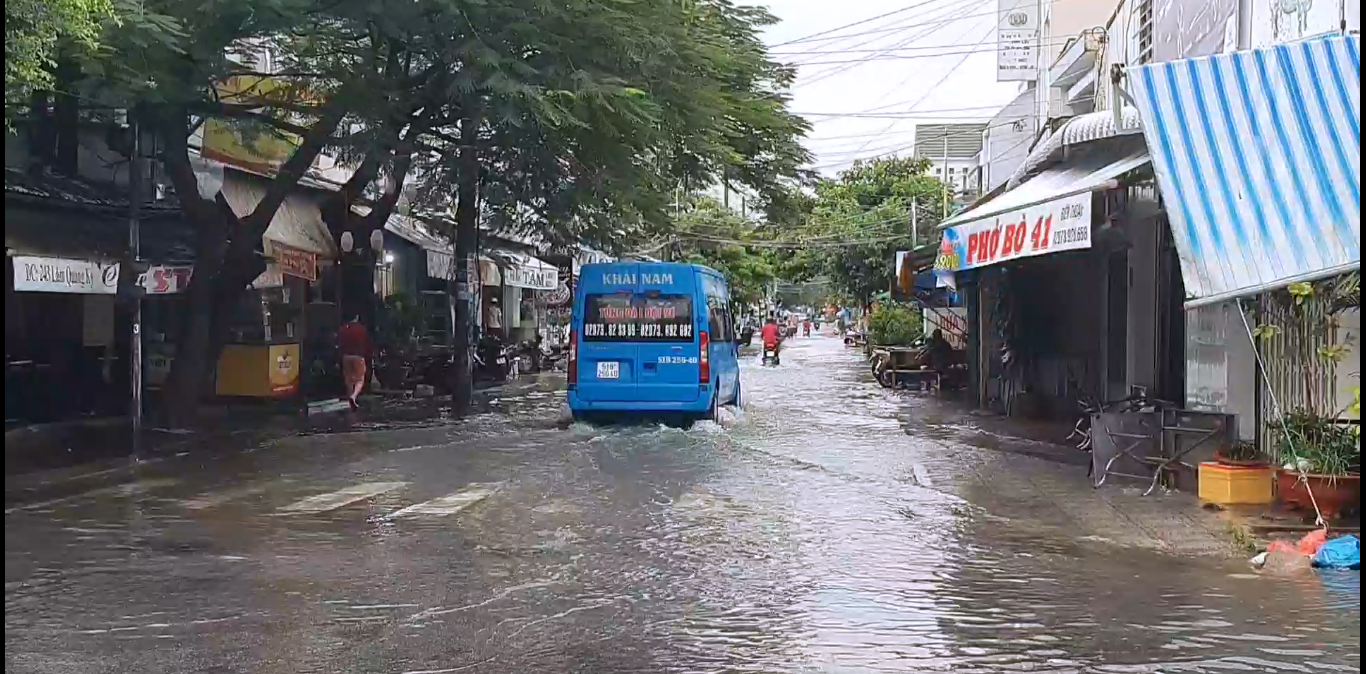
(1343, 552)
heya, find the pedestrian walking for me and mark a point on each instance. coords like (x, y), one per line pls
(353, 343)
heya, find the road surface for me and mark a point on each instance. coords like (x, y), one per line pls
(833, 527)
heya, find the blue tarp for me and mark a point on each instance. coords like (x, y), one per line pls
(1343, 552)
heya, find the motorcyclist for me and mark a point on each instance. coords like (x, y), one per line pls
(771, 336)
(806, 328)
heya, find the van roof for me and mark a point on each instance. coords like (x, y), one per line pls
(643, 263)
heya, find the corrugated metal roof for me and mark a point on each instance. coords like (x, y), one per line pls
(958, 141)
(1258, 154)
(1089, 171)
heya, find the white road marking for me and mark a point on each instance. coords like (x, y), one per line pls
(449, 504)
(214, 500)
(342, 497)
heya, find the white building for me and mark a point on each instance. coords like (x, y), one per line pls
(952, 150)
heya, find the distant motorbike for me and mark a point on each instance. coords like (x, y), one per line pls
(770, 356)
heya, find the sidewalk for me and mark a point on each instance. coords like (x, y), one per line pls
(1035, 484)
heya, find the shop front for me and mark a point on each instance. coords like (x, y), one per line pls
(1258, 157)
(67, 321)
(1042, 270)
(528, 283)
(264, 354)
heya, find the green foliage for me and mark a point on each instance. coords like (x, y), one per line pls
(860, 219)
(894, 325)
(1327, 447)
(719, 243)
(37, 30)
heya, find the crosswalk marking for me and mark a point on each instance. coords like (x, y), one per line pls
(214, 500)
(449, 504)
(341, 497)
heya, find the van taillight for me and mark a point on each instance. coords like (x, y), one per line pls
(704, 359)
(573, 358)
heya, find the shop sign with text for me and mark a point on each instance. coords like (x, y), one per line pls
(60, 275)
(534, 278)
(166, 279)
(1064, 224)
(295, 262)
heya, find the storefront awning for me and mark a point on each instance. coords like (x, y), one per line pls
(1048, 213)
(297, 224)
(1258, 154)
(525, 271)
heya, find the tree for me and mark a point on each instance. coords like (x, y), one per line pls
(713, 235)
(36, 31)
(862, 217)
(587, 119)
(574, 120)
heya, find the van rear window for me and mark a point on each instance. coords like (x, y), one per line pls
(637, 318)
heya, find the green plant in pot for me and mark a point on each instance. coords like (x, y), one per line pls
(894, 325)
(1244, 453)
(1321, 462)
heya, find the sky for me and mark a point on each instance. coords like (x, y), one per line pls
(929, 72)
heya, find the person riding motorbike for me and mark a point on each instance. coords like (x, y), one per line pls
(806, 328)
(771, 336)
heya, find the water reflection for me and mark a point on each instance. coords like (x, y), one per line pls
(806, 541)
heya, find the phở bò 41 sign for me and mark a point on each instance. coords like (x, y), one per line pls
(1064, 224)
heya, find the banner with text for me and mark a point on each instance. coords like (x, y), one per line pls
(166, 279)
(1017, 41)
(61, 275)
(1063, 224)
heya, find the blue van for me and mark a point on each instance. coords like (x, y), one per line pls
(652, 339)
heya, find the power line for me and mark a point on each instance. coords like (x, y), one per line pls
(902, 27)
(946, 19)
(857, 23)
(883, 56)
(928, 93)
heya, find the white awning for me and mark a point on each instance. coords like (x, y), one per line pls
(298, 223)
(525, 271)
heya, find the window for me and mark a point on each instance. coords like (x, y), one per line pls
(637, 318)
(1141, 32)
(718, 320)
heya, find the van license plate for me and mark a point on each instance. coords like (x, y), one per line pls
(609, 370)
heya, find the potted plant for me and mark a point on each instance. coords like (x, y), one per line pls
(1243, 454)
(1321, 462)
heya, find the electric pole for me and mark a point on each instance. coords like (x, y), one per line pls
(135, 257)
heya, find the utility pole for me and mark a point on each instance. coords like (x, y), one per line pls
(914, 225)
(947, 180)
(135, 256)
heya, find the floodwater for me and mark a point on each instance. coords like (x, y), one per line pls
(830, 526)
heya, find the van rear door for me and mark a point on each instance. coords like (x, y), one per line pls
(667, 348)
(607, 351)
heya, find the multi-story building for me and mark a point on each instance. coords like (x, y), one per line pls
(1164, 167)
(952, 150)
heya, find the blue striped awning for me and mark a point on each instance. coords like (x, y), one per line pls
(1258, 154)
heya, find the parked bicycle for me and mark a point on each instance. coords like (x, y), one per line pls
(1138, 400)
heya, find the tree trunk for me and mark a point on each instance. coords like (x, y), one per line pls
(466, 233)
(226, 255)
(67, 119)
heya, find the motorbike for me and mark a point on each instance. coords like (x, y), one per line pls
(495, 361)
(770, 356)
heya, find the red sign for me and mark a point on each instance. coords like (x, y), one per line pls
(166, 280)
(295, 262)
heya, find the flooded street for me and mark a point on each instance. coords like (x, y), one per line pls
(832, 527)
